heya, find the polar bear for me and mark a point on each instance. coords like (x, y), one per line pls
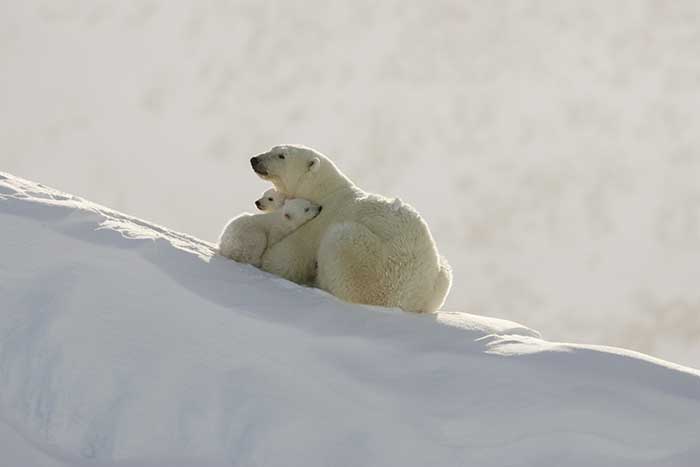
(363, 248)
(271, 200)
(246, 237)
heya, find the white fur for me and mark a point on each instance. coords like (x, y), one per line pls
(271, 200)
(369, 249)
(246, 237)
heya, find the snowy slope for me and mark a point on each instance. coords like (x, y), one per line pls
(124, 342)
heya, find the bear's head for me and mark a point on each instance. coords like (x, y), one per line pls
(271, 200)
(297, 211)
(299, 172)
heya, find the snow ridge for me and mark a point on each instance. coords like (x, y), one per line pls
(123, 342)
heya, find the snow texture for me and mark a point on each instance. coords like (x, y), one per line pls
(126, 343)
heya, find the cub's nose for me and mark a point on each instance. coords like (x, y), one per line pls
(320, 208)
(254, 161)
(257, 204)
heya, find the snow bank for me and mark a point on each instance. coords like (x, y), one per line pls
(124, 342)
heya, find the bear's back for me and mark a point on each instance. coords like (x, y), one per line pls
(390, 218)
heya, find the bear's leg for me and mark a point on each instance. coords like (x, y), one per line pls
(350, 265)
(290, 260)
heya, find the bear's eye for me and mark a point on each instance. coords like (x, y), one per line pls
(306, 210)
(269, 199)
(281, 156)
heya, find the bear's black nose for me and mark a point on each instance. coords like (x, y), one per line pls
(320, 208)
(257, 204)
(254, 161)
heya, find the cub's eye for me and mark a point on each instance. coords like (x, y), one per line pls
(269, 199)
(281, 156)
(306, 210)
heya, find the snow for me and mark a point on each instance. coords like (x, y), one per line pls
(126, 343)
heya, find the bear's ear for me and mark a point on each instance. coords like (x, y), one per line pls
(314, 164)
(286, 214)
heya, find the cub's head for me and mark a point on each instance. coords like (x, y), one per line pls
(271, 200)
(297, 171)
(298, 211)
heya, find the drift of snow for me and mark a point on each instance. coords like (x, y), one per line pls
(122, 342)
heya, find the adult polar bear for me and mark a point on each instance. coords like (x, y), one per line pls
(368, 249)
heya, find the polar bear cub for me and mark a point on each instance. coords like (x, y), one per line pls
(271, 200)
(247, 236)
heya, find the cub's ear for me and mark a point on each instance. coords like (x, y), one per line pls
(286, 214)
(314, 164)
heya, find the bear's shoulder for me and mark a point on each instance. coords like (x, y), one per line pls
(258, 220)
